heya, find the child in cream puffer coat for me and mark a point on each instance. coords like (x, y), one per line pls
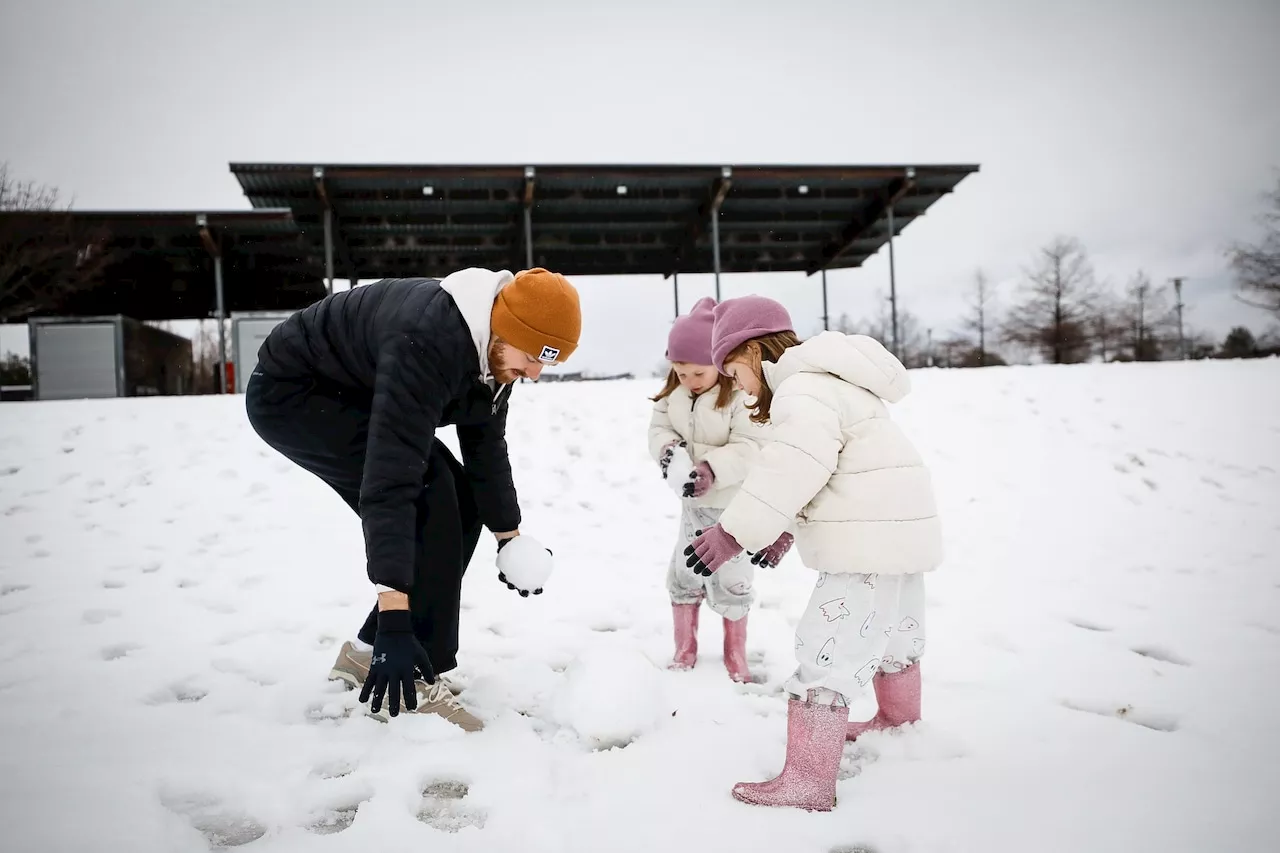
(867, 523)
(702, 437)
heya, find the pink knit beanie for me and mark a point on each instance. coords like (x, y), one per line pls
(739, 320)
(690, 337)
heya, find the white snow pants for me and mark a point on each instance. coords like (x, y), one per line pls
(855, 626)
(729, 591)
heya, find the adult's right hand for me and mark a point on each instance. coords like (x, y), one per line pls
(398, 658)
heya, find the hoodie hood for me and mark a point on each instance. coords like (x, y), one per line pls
(857, 359)
(473, 291)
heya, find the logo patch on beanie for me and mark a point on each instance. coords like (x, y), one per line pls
(549, 355)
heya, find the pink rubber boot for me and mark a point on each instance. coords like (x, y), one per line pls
(686, 624)
(898, 695)
(815, 741)
(735, 650)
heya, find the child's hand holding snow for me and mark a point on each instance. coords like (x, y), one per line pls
(664, 461)
(679, 470)
(524, 564)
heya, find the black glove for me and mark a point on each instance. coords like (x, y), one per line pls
(397, 658)
(664, 461)
(524, 593)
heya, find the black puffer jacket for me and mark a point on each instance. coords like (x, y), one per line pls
(405, 344)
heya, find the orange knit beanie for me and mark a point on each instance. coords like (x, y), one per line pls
(538, 313)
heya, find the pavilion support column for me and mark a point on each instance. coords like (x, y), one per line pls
(530, 175)
(221, 314)
(214, 248)
(328, 251)
(675, 290)
(893, 288)
(726, 174)
(826, 324)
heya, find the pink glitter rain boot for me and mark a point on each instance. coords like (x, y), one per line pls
(686, 625)
(815, 741)
(898, 695)
(735, 650)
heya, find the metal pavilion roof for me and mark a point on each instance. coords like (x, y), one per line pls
(399, 220)
(159, 265)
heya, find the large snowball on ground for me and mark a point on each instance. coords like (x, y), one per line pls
(526, 562)
(611, 695)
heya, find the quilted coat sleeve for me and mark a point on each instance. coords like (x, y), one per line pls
(488, 467)
(661, 432)
(732, 461)
(412, 386)
(802, 452)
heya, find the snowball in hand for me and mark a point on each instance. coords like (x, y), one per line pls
(525, 562)
(679, 470)
(611, 695)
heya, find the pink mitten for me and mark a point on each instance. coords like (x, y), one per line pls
(771, 556)
(710, 550)
(700, 481)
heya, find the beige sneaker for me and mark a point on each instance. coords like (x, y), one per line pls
(352, 667)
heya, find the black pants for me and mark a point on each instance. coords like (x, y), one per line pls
(324, 431)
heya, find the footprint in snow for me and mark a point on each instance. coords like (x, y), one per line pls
(330, 821)
(444, 808)
(9, 471)
(1161, 654)
(118, 650)
(185, 693)
(113, 584)
(11, 588)
(1089, 625)
(1127, 713)
(334, 769)
(220, 825)
(97, 617)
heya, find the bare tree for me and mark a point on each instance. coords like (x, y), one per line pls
(1054, 315)
(1257, 266)
(980, 320)
(1107, 325)
(44, 254)
(1148, 319)
(912, 343)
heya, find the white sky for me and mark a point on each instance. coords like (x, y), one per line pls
(1146, 129)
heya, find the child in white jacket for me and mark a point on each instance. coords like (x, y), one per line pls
(702, 436)
(867, 522)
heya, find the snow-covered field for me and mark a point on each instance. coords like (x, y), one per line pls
(1103, 654)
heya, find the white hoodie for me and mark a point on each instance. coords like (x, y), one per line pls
(473, 291)
(837, 464)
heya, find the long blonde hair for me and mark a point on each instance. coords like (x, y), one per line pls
(754, 353)
(724, 383)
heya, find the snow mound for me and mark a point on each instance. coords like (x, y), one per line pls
(612, 694)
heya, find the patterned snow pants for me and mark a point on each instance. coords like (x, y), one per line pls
(729, 591)
(855, 626)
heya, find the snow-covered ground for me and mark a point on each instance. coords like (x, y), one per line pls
(1101, 676)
